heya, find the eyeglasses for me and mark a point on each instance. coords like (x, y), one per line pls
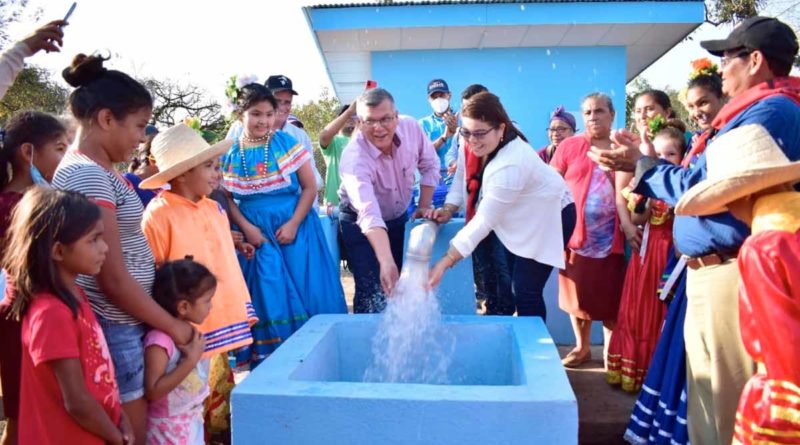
(383, 122)
(478, 135)
(725, 60)
(558, 130)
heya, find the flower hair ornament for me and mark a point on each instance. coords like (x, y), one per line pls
(232, 88)
(703, 67)
(656, 124)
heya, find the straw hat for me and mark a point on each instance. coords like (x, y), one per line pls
(741, 162)
(178, 150)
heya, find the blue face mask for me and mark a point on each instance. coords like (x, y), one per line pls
(36, 175)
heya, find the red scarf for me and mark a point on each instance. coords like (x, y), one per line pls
(786, 86)
(473, 167)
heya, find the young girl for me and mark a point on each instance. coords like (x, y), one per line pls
(176, 379)
(113, 110)
(30, 151)
(292, 275)
(69, 392)
(641, 312)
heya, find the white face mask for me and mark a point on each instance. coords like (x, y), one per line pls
(440, 105)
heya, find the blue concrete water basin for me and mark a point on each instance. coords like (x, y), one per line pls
(505, 384)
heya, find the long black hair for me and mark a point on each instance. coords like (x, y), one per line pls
(42, 218)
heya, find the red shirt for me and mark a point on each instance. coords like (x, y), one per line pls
(50, 332)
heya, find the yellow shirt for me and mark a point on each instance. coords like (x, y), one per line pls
(176, 227)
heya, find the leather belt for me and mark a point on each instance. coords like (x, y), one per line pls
(712, 259)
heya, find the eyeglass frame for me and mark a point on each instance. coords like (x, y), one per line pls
(558, 130)
(383, 122)
(478, 135)
(725, 60)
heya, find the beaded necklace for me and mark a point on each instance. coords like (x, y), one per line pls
(242, 140)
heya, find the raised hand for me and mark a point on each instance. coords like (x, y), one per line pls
(49, 37)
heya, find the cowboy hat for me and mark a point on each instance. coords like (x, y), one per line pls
(741, 162)
(178, 150)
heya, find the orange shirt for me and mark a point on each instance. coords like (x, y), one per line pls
(176, 227)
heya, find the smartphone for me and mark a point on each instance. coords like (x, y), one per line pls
(371, 84)
(71, 10)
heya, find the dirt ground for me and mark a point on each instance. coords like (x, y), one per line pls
(603, 411)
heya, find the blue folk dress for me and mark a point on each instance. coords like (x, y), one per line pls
(287, 283)
(659, 416)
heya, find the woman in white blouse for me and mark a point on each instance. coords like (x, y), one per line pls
(508, 190)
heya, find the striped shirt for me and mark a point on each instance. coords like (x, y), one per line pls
(108, 189)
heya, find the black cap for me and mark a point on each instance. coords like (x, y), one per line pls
(766, 34)
(437, 86)
(279, 83)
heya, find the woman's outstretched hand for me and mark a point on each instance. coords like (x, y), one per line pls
(437, 272)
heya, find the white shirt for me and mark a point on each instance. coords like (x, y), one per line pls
(11, 63)
(520, 200)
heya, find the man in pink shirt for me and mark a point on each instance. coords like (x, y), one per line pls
(377, 171)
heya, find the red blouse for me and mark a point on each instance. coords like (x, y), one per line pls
(769, 313)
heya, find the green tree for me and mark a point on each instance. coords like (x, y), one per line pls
(315, 115)
(33, 89)
(728, 11)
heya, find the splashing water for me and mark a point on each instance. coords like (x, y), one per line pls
(411, 344)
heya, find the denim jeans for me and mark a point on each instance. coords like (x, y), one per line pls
(529, 278)
(126, 346)
(369, 296)
(491, 267)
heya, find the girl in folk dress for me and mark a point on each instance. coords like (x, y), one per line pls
(291, 276)
(641, 312)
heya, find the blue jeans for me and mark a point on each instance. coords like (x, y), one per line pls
(510, 282)
(126, 345)
(529, 278)
(369, 296)
(491, 269)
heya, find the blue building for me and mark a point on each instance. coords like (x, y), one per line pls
(535, 54)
